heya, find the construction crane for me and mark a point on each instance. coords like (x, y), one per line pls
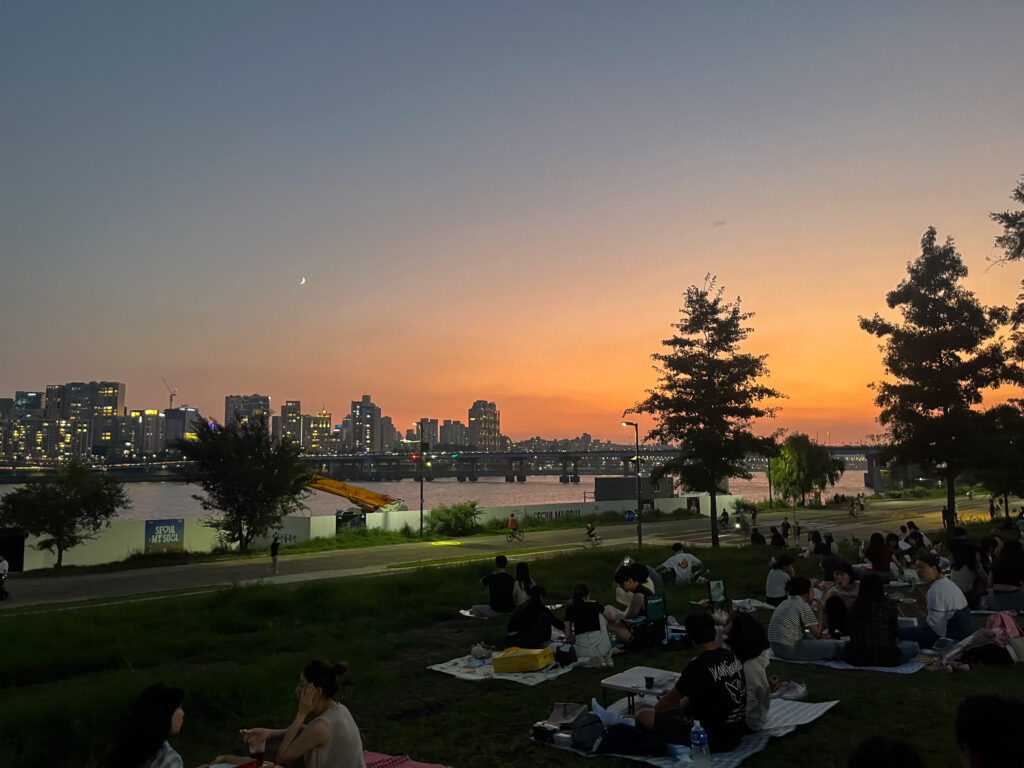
(172, 392)
(367, 501)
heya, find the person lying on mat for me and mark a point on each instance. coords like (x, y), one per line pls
(530, 624)
(710, 689)
(330, 740)
(791, 619)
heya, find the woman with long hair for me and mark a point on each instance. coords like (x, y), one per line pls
(530, 624)
(948, 614)
(157, 715)
(775, 585)
(748, 640)
(522, 585)
(330, 739)
(967, 571)
(587, 628)
(874, 640)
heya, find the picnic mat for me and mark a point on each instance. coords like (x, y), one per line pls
(379, 760)
(783, 717)
(903, 669)
(469, 668)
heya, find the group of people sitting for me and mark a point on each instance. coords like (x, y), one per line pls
(322, 733)
(586, 622)
(849, 601)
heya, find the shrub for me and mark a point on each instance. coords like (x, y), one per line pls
(454, 520)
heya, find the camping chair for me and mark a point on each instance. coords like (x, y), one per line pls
(717, 596)
(652, 629)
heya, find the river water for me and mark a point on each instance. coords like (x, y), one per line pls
(152, 501)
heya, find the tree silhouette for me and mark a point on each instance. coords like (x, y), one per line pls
(708, 394)
(250, 483)
(66, 512)
(804, 466)
(939, 360)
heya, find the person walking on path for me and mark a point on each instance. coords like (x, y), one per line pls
(275, 547)
(4, 568)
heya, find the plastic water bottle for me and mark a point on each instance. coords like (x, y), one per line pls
(699, 751)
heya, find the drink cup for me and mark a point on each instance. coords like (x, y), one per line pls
(648, 682)
(257, 750)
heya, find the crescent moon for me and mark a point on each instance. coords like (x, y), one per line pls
(302, 281)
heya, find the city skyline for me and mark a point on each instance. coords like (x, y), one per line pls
(459, 201)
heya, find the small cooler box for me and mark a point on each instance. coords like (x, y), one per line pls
(523, 659)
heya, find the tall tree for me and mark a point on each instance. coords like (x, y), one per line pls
(939, 360)
(1012, 222)
(1001, 464)
(708, 394)
(1011, 241)
(65, 512)
(250, 483)
(804, 466)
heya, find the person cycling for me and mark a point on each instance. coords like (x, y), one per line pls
(591, 535)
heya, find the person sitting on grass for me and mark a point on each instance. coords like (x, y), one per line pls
(986, 731)
(874, 640)
(839, 600)
(1008, 578)
(948, 614)
(587, 628)
(757, 538)
(813, 540)
(627, 579)
(710, 689)
(791, 619)
(881, 557)
(747, 638)
(967, 571)
(776, 539)
(681, 566)
(500, 584)
(530, 624)
(522, 585)
(330, 739)
(157, 715)
(775, 585)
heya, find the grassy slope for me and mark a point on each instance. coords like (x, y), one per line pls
(68, 677)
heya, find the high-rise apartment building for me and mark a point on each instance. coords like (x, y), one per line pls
(180, 424)
(84, 400)
(242, 408)
(454, 434)
(147, 432)
(317, 431)
(291, 422)
(390, 438)
(428, 432)
(485, 427)
(26, 403)
(366, 429)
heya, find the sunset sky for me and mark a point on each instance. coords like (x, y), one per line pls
(500, 201)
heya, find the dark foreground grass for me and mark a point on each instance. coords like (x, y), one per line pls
(68, 678)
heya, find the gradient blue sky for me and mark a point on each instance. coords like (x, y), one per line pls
(488, 200)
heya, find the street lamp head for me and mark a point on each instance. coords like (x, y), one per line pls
(629, 424)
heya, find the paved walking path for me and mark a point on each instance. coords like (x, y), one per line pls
(146, 583)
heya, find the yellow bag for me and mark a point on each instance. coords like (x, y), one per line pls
(523, 659)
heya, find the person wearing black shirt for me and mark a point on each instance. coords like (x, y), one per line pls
(530, 624)
(756, 537)
(500, 586)
(711, 689)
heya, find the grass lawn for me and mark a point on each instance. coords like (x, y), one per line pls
(68, 677)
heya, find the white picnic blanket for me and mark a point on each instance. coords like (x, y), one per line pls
(469, 668)
(783, 717)
(903, 669)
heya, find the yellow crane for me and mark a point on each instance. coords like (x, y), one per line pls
(368, 501)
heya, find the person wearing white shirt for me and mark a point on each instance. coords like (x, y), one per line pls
(948, 614)
(685, 567)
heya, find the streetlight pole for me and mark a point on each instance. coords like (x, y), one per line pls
(639, 520)
(423, 471)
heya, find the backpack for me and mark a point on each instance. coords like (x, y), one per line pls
(1006, 621)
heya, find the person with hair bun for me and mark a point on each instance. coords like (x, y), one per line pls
(157, 715)
(331, 739)
(948, 614)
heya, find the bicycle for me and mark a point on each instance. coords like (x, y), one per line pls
(591, 541)
(514, 533)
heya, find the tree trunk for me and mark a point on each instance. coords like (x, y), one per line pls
(60, 557)
(714, 519)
